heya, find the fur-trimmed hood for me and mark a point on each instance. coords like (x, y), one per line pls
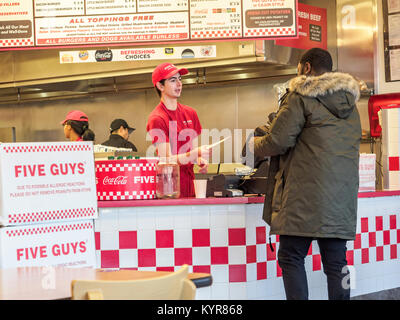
(337, 91)
(324, 84)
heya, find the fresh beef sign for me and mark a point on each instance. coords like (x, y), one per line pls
(47, 182)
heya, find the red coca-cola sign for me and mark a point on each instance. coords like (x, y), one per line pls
(126, 179)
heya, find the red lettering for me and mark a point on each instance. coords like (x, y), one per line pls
(31, 253)
(64, 168)
(20, 253)
(29, 170)
(55, 250)
(81, 168)
(43, 253)
(82, 246)
(74, 246)
(41, 170)
(68, 248)
(32, 170)
(54, 169)
(17, 170)
(65, 248)
(67, 168)
(72, 166)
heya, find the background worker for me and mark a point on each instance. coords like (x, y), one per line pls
(76, 127)
(119, 135)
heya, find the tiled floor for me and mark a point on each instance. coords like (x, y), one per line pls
(392, 294)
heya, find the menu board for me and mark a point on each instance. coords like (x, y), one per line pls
(32, 24)
(391, 39)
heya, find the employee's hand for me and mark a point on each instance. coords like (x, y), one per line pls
(203, 165)
(204, 152)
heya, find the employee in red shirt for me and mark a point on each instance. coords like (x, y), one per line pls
(76, 126)
(174, 127)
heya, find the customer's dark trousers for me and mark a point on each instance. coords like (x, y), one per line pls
(291, 255)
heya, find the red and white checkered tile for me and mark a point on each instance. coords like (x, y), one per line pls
(231, 242)
(16, 42)
(391, 147)
(271, 32)
(216, 34)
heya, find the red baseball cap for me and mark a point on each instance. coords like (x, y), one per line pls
(76, 115)
(165, 71)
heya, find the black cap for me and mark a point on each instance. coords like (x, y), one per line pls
(117, 123)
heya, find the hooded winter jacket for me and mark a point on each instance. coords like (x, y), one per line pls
(317, 134)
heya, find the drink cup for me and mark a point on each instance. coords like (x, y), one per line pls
(200, 188)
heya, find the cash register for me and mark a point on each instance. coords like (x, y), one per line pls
(233, 180)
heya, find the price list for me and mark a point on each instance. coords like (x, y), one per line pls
(96, 22)
(110, 6)
(269, 18)
(215, 19)
(112, 29)
(49, 8)
(162, 5)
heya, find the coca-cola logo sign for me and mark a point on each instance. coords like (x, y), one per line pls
(115, 180)
(103, 55)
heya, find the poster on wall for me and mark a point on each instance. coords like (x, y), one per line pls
(393, 6)
(312, 29)
(391, 39)
(39, 24)
(394, 56)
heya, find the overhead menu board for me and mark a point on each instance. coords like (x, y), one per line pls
(32, 24)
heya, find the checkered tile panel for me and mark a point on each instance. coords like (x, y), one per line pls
(207, 250)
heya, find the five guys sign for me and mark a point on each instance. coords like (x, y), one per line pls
(47, 205)
(45, 182)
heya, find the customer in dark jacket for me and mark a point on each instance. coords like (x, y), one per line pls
(120, 131)
(316, 134)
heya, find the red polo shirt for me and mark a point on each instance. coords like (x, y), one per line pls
(179, 128)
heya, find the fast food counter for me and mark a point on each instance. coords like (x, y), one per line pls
(228, 238)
